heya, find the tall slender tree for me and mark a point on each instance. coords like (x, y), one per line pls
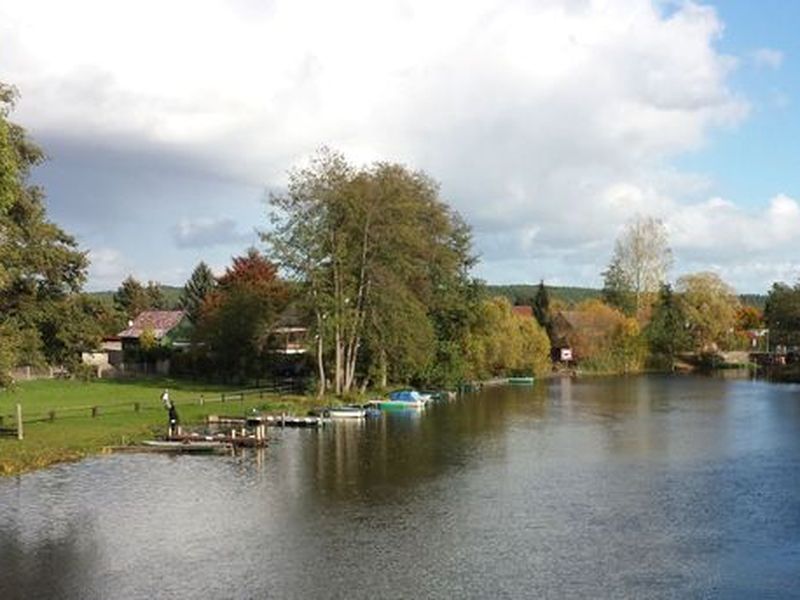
(639, 264)
(541, 306)
(199, 285)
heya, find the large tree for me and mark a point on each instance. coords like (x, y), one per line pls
(365, 246)
(710, 306)
(41, 266)
(782, 314)
(639, 264)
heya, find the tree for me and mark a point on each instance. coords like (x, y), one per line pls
(502, 343)
(604, 339)
(236, 320)
(666, 332)
(782, 314)
(749, 318)
(41, 266)
(360, 242)
(710, 306)
(541, 306)
(617, 288)
(639, 264)
(155, 296)
(131, 297)
(199, 285)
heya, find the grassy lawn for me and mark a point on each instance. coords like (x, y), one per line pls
(74, 433)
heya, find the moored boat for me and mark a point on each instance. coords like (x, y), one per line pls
(520, 380)
(346, 412)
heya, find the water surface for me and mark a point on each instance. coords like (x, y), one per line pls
(649, 486)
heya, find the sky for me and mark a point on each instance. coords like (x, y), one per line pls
(549, 124)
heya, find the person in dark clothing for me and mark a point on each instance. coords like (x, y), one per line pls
(172, 413)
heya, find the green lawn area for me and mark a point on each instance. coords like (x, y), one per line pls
(74, 433)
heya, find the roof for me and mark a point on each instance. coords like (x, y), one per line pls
(160, 322)
(523, 311)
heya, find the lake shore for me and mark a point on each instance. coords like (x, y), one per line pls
(129, 411)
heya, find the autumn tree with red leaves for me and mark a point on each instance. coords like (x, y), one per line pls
(236, 319)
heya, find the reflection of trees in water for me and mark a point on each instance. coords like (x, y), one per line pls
(645, 415)
(56, 565)
(381, 457)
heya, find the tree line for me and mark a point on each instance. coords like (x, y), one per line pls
(378, 267)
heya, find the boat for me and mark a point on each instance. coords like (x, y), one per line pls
(402, 400)
(520, 380)
(345, 412)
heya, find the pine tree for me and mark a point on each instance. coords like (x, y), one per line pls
(131, 298)
(541, 306)
(197, 287)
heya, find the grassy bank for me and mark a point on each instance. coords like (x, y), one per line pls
(73, 433)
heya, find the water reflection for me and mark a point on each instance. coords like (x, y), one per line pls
(617, 487)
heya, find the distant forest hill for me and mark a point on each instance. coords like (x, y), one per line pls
(172, 296)
(523, 293)
(516, 293)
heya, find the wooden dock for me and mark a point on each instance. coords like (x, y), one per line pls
(271, 420)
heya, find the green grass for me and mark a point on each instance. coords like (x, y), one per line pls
(74, 433)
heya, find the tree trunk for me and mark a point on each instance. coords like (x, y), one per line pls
(320, 358)
(384, 369)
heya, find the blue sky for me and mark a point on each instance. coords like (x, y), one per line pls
(549, 124)
(759, 157)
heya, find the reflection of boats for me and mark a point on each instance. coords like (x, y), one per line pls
(521, 380)
(346, 412)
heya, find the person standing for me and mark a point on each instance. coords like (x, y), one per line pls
(172, 413)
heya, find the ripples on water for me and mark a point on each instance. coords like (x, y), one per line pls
(631, 488)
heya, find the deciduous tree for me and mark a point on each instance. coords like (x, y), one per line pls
(639, 264)
(710, 306)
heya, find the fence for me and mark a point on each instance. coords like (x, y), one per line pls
(11, 425)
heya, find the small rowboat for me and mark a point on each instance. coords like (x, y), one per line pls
(346, 412)
(520, 380)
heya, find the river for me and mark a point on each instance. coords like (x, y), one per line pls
(639, 487)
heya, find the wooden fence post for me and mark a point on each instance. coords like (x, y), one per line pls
(52, 415)
(136, 407)
(95, 411)
(19, 422)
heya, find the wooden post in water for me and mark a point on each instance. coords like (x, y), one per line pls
(19, 422)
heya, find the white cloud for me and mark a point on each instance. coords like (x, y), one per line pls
(108, 268)
(767, 58)
(549, 123)
(209, 231)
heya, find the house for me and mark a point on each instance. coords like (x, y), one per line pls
(290, 334)
(170, 328)
(567, 327)
(526, 312)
